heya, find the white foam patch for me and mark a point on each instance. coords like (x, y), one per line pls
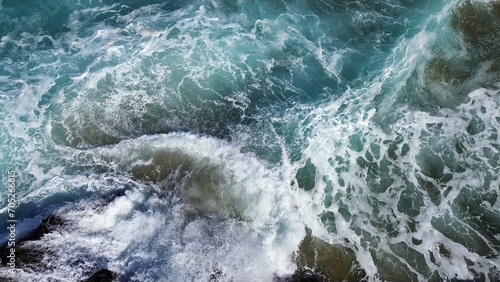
(145, 236)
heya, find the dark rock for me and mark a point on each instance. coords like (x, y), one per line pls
(479, 24)
(302, 275)
(28, 256)
(444, 251)
(333, 262)
(455, 72)
(103, 275)
(306, 176)
(48, 225)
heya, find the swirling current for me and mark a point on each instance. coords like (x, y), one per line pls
(250, 140)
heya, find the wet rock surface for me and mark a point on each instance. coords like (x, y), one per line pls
(318, 260)
(103, 275)
(30, 256)
(27, 254)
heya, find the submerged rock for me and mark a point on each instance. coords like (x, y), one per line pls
(318, 260)
(479, 24)
(468, 63)
(455, 73)
(48, 225)
(306, 176)
(203, 182)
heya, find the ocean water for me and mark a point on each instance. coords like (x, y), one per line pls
(248, 140)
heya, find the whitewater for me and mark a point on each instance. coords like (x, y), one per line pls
(250, 140)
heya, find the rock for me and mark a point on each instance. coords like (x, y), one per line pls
(48, 225)
(27, 255)
(103, 275)
(333, 262)
(479, 24)
(306, 176)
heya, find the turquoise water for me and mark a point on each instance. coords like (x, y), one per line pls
(228, 131)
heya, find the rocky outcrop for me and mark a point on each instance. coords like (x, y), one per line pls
(103, 275)
(29, 255)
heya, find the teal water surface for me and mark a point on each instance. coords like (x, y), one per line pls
(243, 140)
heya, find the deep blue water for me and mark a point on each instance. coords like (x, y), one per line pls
(241, 140)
